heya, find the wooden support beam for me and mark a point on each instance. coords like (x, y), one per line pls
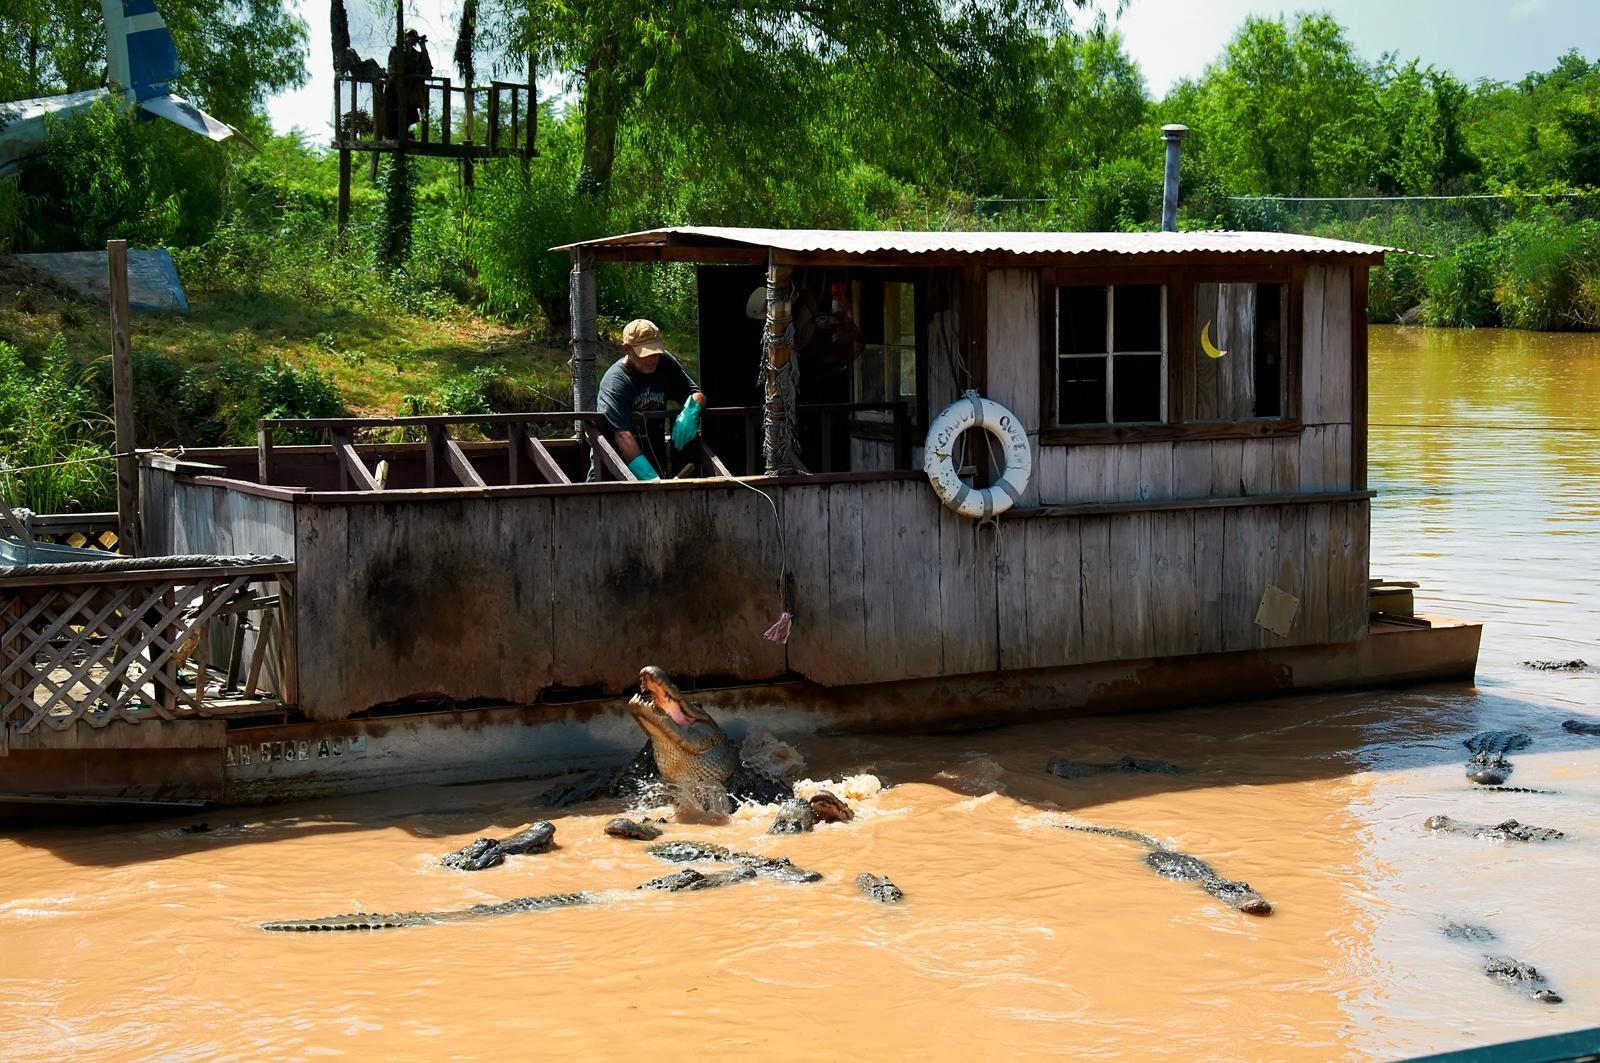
(545, 461)
(18, 526)
(288, 644)
(607, 457)
(459, 464)
(712, 462)
(122, 399)
(352, 468)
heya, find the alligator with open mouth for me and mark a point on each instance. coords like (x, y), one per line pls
(1172, 864)
(687, 756)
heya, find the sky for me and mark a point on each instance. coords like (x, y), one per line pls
(1170, 39)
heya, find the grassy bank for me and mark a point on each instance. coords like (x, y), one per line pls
(205, 378)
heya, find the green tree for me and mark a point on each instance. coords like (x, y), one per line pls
(1288, 109)
(235, 53)
(751, 71)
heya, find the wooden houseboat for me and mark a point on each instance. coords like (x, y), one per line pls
(1193, 527)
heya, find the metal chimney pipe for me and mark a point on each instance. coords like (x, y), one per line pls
(1173, 135)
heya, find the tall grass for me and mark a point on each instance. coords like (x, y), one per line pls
(1549, 274)
(48, 416)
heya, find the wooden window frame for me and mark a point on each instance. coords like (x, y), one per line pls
(1179, 282)
(875, 428)
(1110, 355)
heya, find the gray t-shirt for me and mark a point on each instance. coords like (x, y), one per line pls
(626, 394)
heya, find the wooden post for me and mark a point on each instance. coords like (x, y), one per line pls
(263, 452)
(122, 399)
(344, 190)
(779, 428)
(585, 335)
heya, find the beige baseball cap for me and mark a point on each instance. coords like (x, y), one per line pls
(643, 337)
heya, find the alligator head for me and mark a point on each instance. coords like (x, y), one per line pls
(690, 749)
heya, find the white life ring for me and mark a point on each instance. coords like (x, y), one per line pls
(974, 411)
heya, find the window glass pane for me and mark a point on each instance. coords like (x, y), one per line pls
(1136, 388)
(908, 372)
(1081, 321)
(869, 310)
(900, 314)
(870, 374)
(1136, 312)
(1269, 350)
(1238, 369)
(1081, 390)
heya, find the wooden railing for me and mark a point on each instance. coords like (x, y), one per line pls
(134, 640)
(86, 531)
(529, 460)
(503, 123)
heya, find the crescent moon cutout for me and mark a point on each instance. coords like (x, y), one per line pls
(1206, 344)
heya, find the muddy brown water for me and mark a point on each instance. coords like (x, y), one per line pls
(1016, 937)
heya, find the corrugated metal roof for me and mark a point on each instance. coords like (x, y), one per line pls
(859, 242)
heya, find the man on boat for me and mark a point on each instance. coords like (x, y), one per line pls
(643, 381)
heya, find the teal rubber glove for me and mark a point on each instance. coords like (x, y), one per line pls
(687, 426)
(643, 469)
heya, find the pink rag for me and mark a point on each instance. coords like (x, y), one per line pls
(779, 632)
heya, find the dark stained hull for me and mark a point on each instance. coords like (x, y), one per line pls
(251, 763)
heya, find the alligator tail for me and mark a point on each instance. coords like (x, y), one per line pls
(353, 921)
(1117, 832)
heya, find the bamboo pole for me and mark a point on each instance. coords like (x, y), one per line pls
(122, 399)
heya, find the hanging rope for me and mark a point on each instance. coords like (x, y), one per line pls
(12, 470)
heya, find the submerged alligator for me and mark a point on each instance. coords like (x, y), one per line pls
(393, 920)
(1488, 765)
(1574, 665)
(879, 888)
(744, 866)
(1507, 831)
(1185, 868)
(686, 756)
(1582, 727)
(1520, 976)
(482, 853)
(1074, 769)
(691, 852)
(1504, 969)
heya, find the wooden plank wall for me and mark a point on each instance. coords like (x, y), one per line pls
(1223, 387)
(1013, 365)
(184, 518)
(1318, 458)
(890, 585)
(508, 598)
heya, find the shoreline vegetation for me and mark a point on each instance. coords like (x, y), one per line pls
(442, 300)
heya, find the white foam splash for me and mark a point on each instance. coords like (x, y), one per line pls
(765, 752)
(851, 787)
